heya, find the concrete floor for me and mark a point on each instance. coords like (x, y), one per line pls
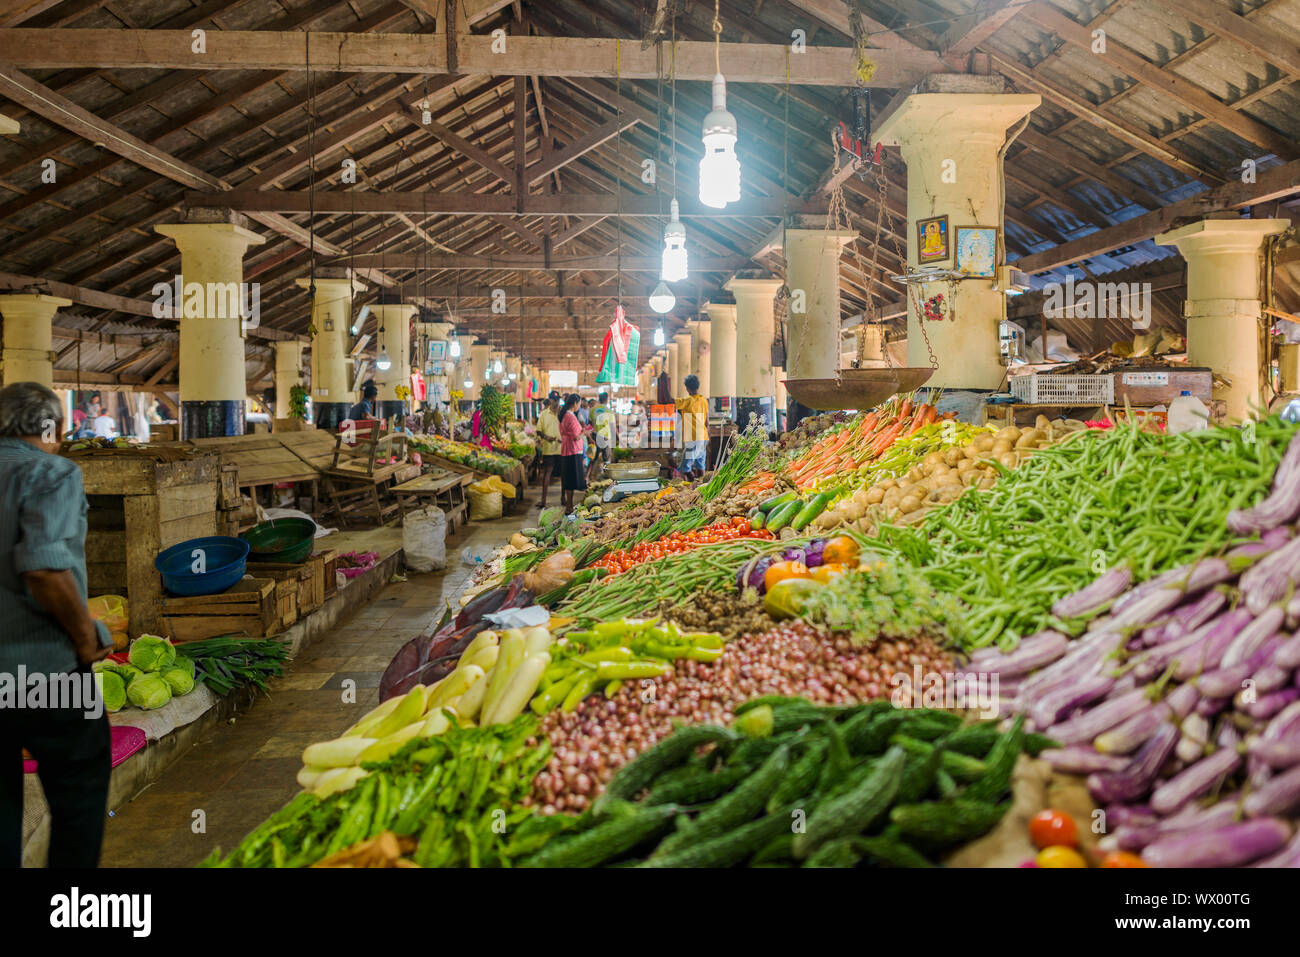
(242, 772)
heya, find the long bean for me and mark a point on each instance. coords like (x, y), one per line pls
(1093, 502)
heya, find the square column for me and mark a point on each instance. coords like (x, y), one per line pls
(1223, 306)
(702, 364)
(395, 339)
(812, 322)
(950, 143)
(28, 337)
(755, 333)
(288, 374)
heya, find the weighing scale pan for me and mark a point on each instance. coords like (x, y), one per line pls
(856, 388)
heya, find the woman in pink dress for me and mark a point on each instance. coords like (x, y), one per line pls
(572, 474)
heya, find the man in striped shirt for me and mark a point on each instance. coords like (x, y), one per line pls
(49, 639)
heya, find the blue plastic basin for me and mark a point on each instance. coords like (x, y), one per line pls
(224, 559)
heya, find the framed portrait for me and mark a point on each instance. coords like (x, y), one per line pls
(977, 251)
(437, 350)
(932, 240)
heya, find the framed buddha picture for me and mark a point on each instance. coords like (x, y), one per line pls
(932, 244)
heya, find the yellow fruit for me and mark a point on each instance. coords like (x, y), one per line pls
(1060, 856)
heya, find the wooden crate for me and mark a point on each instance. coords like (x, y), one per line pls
(286, 601)
(1160, 386)
(330, 558)
(308, 578)
(229, 496)
(250, 608)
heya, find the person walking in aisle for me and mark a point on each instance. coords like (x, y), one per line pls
(602, 421)
(695, 428)
(572, 477)
(49, 636)
(548, 443)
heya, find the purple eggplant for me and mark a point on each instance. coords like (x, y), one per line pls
(1048, 709)
(1288, 653)
(1196, 780)
(1024, 660)
(815, 553)
(1285, 724)
(1276, 754)
(1083, 660)
(1082, 759)
(1141, 613)
(1188, 618)
(1226, 680)
(1271, 677)
(1101, 718)
(1230, 845)
(1272, 578)
(1250, 638)
(1282, 504)
(1289, 856)
(1208, 654)
(1129, 735)
(1226, 734)
(1137, 837)
(1129, 815)
(1096, 596)
(1189, 750)
(1280, 794)
(1152, 662)
(1136, 778)
(751, 573)
(1267, 705)
(1209, 707)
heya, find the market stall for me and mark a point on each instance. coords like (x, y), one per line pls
(929, 642)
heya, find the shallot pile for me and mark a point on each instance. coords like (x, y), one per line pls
(602, 734)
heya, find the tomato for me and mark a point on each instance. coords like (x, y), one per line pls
(1052, 828)
(824, 573)
(840, 550)
(1058, 856)
(1123, 859)
(779, 571)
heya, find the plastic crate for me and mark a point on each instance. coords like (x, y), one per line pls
(1064, 389)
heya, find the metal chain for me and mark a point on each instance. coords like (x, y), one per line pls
(913, 289)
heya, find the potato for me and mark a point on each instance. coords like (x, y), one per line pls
(915, 475)
(1009, 460)
(863, 497)
(1041, 422)
(1009, 434)
(909, 504)
(891, 497)
(982, 443)
(952, 457)
(972, 454)
(940, 468)
(988, 481)
(971, 477)
(887, 484)
(1029, 437)
(965, 465)
(874, 495)
(934, 458)
(1000, 446)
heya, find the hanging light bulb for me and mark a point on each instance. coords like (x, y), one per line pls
(659, 336)
(454, 349)
(497, 367)
(674, 267)
(469, 383)
(662, 299)
(719, 169)
(382, 362)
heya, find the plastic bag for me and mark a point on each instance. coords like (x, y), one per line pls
(424, 539)
(484, 506)
(476, 556)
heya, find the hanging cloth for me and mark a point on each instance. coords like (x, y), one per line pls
(618, 353)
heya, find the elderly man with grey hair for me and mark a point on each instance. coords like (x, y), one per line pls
(48, 634)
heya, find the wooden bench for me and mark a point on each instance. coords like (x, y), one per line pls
(441, 488)
(360, 473)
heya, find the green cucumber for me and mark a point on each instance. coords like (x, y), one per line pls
(703, 786)
(767, 506)
(868, 733)
(887, 851)
(781, 516)
(962, 767)
(802, 777)
(919, 775)
(974, 740)
(815, 506)
(855, 811)
(756, 521)
(941, 824)
(944, 783)
(837, 853)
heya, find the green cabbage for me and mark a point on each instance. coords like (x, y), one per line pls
(148, 692)
(111, 689)
(151, 653)
(178, 680)
(185, 664)
(126, 673)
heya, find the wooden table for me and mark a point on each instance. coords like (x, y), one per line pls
(440, 487)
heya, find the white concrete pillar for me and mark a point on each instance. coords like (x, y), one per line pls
(429, 333)
(331, 342)
(755, 332)
(1223, 307)
(394, 337)
(950, 143)
(213, 387)
(288, 374)
(722, 349)
(702, 337)
(479, 366)
(28, 337)
(674, 368)
(685, 362)
(812, 322)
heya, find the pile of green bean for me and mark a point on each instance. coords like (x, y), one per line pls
(1076, 509)
(639, 590)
